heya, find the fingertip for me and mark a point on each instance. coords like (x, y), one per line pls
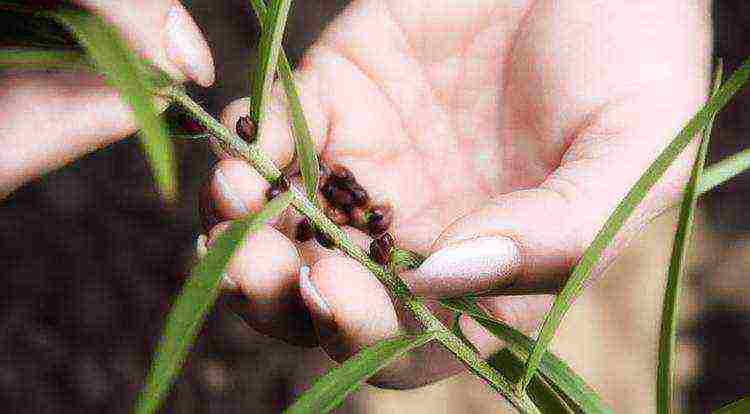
(187, 48)
(237, 189)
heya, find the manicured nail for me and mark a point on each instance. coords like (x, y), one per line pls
(325, 324)
(471, 264)
(187, 48)
(233, 201)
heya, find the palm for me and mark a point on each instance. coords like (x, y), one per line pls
(421, 127)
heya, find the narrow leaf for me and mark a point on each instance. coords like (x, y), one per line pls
(31, 58)
(724, 170)
(194, 302)
(554, 370)
(670, 307)
(738, 407)
(269, 48)
(328, 392)
(637, 193)
(122, 69)
(307, 156)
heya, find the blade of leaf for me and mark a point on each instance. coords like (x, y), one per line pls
(122, 68)
(670, 306)
(738, 407)
(28, 58)
(637, 193)
(307, 156)
(544, 396)
(724, 170)
(269, 48)
(194, 302)
(570, 385)
(328, 392)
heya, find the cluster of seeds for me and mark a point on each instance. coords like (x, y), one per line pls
(345, 202)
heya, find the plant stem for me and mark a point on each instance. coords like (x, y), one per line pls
(251, 153)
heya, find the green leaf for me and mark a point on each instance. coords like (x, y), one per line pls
(269, 48)
(328, 392)
(33, 58)
(554, 370)
(670, 307)
(307, 157)
(637, 193)
(195, 301)
(124, 71)
(544, 396)
(738, 407)
(724, 170)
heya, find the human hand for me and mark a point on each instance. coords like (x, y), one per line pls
(502, 133)
(48, 119)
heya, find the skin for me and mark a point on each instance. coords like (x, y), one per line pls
(518, 125)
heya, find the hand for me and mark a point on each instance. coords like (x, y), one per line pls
(47, 119)
(502, 134)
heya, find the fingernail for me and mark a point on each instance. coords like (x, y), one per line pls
(471, 264)
(233, 201)
(325, 324)
(186, 47)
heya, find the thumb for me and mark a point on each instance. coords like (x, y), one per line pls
(527, 241)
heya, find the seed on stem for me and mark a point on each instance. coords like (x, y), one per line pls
(381, 248)
(281, 185)
(360, 197)
(245, 128)
(304, 231)
(337, 216)
(341, 173)
(323, 239)
(381, 217)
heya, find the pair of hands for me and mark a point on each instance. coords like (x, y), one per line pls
(503, 133)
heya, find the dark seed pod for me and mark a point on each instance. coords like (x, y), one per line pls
(323, 239)
(337, 216)
(381, 248)
(342, 198)
(360, 198)
(341, 173)
(327, 190)
(304, 232)
(359, 217)
(245, 128)
(381, 217)
(281, 185)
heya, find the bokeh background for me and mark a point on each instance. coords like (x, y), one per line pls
(90, 261)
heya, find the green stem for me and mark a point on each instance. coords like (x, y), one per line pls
(237, 147)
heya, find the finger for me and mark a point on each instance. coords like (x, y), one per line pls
(275, 136)
(351, 311)
(529, 240)
(163, 32)
(521, 312)
(265, 272)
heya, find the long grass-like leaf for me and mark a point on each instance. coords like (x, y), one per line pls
(196, 299)
(123, 70)
(738, 407)
(670, 307)
(269, 48)
(32, 58)
(724, 170)
(637, 193)
(554, 370)
(328, 392)
(307, 156)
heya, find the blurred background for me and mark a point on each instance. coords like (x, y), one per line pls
(90, 262)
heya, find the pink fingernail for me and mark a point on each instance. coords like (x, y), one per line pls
(187, 48)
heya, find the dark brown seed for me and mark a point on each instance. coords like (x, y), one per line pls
(304, 232)
(327, 190)
(342, 198)
(380, 249)
(337, 216)
(281, 185)
(381, 217)
(341, 173)
(323, 239)
(359, 217)
(246, 128)
(360, 198)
